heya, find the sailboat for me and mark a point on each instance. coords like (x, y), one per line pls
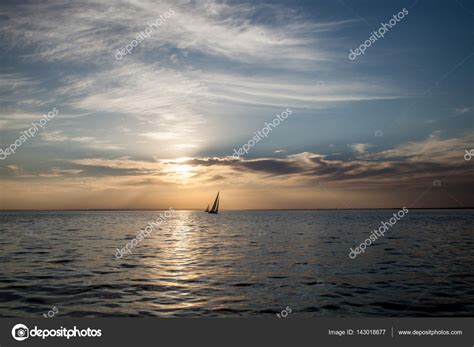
(215, 206)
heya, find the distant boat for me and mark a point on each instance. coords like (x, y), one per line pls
(215, 206)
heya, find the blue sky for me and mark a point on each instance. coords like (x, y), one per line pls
(164, 120)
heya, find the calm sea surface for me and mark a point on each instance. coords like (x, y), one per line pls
(237, 264)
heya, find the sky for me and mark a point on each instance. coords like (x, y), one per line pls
(157, 127)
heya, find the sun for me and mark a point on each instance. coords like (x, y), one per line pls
(183, 171)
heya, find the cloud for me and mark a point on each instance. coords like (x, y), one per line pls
(13, 81)
(432, 149)
(173, 104)
(15, 169)
(58, 172)
(380, 176)
(22, 120)
(461, 110)
(54, 136)
(93, 30)
(302, 169)
(163, 100)
(124, 163)
(83, 141)
(13, 121)
(20, 95)
(360, 148)
(270, 90)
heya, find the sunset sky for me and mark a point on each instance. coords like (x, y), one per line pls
(158, 128)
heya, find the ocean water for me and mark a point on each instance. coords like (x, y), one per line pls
(242, 263)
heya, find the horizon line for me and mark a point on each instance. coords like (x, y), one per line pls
(235, 210)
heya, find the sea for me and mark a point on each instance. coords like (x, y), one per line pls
(290, 263)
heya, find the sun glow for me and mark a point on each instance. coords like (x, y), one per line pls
(183, 171)
(182, 160)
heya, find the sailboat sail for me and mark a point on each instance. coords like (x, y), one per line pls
(207, 209)
(215, 206)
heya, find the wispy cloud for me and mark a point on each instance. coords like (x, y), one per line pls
(58, 172)
(84, 141)
(15, 169)
(173, 101)
(360, 148)
(13, 81)
(461, 110)
(93, 30)
(432, 149)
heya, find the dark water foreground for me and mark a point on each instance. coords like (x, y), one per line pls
(237, 264)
